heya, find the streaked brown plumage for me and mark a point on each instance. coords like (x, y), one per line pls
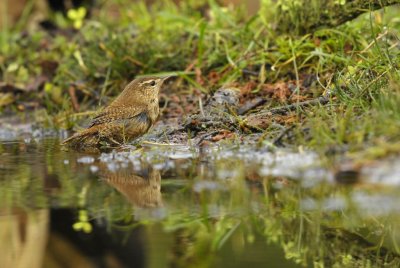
(129, 116)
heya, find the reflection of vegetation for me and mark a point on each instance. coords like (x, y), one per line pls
(355, 251)
(201, 222)
(24, 237)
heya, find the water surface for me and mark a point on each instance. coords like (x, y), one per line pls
(178, 206)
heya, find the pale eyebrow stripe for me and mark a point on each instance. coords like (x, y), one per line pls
(149, 81)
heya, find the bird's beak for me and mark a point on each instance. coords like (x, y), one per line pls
(167, 77)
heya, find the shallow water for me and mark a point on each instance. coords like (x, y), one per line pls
(162, 206)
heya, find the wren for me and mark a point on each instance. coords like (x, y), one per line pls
(129, 116)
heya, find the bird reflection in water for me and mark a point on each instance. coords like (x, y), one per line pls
(141, 188)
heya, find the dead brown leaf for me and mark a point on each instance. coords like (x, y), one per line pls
(49, 68)
(223, 134)
(296, 97)
(279, 90)
(246, 89)
(258, 121)
(214, 77)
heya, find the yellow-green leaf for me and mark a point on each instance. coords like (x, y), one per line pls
(12, 67)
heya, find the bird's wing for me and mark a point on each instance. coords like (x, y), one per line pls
(111, 114)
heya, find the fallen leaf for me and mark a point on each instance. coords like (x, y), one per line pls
(279, 90)
(6, 99)
(223, 134)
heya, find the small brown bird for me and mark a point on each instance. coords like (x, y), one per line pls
(129, 116)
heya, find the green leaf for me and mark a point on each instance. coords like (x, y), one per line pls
(72, 14)
(12, 67)
(78, 226)
(48, 87)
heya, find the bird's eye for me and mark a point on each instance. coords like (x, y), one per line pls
(153, 83)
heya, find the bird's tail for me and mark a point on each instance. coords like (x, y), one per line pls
(86, 137)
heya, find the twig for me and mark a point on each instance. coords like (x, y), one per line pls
(380, 36)
(74, 100)
(278, 139)
(161, 144)
(251, 105)
(249, 72)
(291, 107)
(335, 15)
(201, 107)
(207, 135)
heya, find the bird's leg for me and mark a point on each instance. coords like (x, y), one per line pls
(114, 141)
